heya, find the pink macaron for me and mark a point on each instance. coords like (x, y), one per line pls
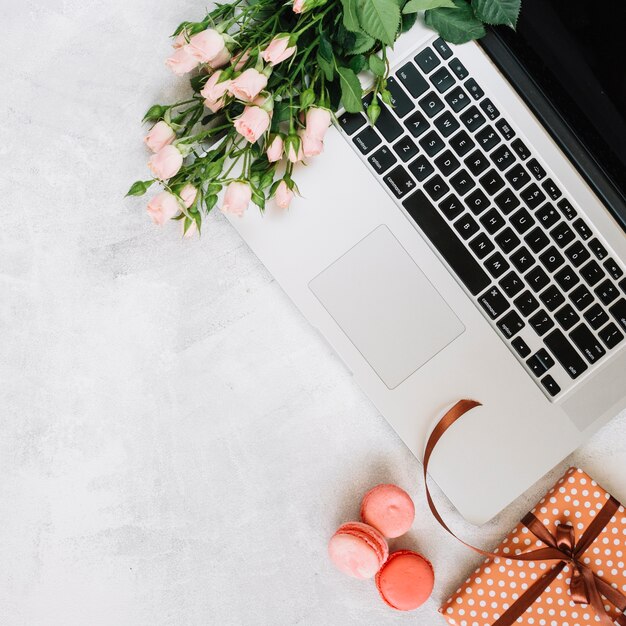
(389, 509)
(358, 550)
(406, 580)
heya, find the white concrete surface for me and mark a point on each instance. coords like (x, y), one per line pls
(176, 443)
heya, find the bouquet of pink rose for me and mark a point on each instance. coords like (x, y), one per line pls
(267, 77)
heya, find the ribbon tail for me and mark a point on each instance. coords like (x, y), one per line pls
(595, 599)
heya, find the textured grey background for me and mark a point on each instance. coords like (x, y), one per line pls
(176, 443)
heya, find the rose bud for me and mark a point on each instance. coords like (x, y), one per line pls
(293, 147)
(214, 91)
(252, 123)
(236, 198)
(182, 61)
(284, 195)
(181, 40)
(275, 149)
(160, 135)
(317, 122)
(166, 162)
(311, 145)
(192, 230)
(248, 85)
(188, 195)
(164, 206)
(207, 45)
(278, 50)
(220, 60)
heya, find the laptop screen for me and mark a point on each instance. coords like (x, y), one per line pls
(576, 51)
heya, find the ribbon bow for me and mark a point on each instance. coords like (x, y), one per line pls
(586, 587)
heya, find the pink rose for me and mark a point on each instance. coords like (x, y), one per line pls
(284, 195)
(317, 122)
(242, 60)
(207, 45)
(180, 40)
(278, 50)
(252, 123)
(188, 195)
(164, 206)
(214, 88)
(161, 134)
(275, 149)
(166, 162)
(298, 6)
(248, 85)
(311, 145)
(294, 156)
(182, 61)
(237, 198)
(220, 60)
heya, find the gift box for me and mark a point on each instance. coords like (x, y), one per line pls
(576, 538)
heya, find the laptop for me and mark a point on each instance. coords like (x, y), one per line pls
(472, 245)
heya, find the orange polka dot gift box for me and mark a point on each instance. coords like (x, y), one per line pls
(576, 538)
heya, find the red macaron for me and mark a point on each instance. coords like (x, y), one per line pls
(358, 550)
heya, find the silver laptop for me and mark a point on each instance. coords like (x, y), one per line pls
(472, 245)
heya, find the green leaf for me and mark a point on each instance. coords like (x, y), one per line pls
(413, 6)
(457, 25)
(351, 91)
(139, 188)
(326, 66)
(363, 43)
(357, 63)
(377, 65)
(380, 19)
(351, 15)
(210, 202)
(497, 11)
(326, 48)
(408, 21)
(258, 198)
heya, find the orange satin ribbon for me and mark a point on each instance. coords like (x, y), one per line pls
(586, 587)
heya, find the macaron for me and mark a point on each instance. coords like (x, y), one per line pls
(358, 550)
(406, 580)
(389, 509)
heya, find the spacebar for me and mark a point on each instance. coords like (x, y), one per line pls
(447, 243)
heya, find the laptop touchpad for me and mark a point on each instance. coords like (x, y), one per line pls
(386, 306)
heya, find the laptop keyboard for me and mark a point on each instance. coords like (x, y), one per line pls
(534, 266)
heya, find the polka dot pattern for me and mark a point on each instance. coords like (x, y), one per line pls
(499, 582)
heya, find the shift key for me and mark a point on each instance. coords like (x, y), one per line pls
(565, 353)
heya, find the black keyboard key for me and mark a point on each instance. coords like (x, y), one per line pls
(436, 187)
(466, 226)
(592, 273)
(566, 317)
(490, 110)
(487, 138)
(566, 278)
(552, 298)
(446, 123)
(551, 189)
(462, 182)
(532, 196)
(550, 385)
(506, 201)
(477, 201)
(551, 259)
(442, 80)
(582, 229)
(522, 221)
(421, 168)
(367, 140)
(462, 143)
(459, 69)
(507, 240)
(586, 342)
(518, 176)
(491, 182)
(457, 99)
(618, 311)
(526, 303)
(481, 245)
(492, 221)
(432, 143)
(536, 170)
(565, 353)
(520, 148)
(402, 104)
(537, 279)
(447, 163)
(596, 316)
(494, 302)
(622, 285)
(451, 207)
(562, 234)
(442, 48)
(405, 148)
(511, 324)
(474, 89)
(411, 78)
(447, 243)
(382, 160)
(431, 104)
(505, 129)
(567, 209)
(540, 362)
(547, 215)
(536, 239)
(387, 125)
(598, 249)
(610, 335)
(606, 292)
(351, 122)
(473, 119)
(399, 181)
(522, 259)
(521, 347)
(511, 284)
(581, 297)
(417, 124)
(496, 265)
(427, 60)
(577, 253)
(503, 157)
(476, 162)
(614, 270)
